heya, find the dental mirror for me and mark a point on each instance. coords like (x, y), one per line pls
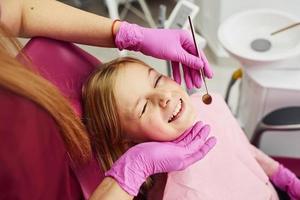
(207, 99)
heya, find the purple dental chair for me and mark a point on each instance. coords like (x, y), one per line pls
(67, 66)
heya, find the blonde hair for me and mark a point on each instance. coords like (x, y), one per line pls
(101, 114)
(13, 75)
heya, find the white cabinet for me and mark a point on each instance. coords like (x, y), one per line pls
(263, 91)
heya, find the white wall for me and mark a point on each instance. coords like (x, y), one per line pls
(229, 7)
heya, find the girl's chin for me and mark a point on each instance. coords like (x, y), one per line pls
(183, 129)
(188, 123)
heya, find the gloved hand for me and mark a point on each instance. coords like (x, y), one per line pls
(149, 158)
(169, 44)
(287, 181)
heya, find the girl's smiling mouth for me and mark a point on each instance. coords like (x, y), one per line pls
(177, 111)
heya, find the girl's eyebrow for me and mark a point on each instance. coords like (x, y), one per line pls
(157, 76)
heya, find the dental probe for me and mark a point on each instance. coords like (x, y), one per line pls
(206, 98)
(286, 28)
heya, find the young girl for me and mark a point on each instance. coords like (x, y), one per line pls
(127, 102)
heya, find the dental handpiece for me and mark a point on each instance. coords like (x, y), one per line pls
(206, 98)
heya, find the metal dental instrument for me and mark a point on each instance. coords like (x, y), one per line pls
(207, 99)
(285, 28)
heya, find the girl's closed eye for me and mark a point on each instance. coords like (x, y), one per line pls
(155, 85)
(144, 108)
(157, 80)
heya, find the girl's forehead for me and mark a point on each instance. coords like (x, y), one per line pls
(132, 83)
(134, 72)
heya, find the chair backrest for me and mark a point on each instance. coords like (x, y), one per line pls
(67, 67)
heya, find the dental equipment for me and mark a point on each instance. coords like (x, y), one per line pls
(262, 45)
(285, 28)
(206, 98)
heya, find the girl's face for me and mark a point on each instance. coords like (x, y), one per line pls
(151, 106)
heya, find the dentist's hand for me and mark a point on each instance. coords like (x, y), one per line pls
(175, 45)
(280, 176)
(146, 159)
(287, 181)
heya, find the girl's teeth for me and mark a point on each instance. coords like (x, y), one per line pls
(176, 111)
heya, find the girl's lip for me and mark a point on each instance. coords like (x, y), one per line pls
(180, 111)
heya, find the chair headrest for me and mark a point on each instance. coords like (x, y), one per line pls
(64, 64)
(67, 67)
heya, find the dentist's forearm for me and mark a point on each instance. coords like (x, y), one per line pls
(56, 20)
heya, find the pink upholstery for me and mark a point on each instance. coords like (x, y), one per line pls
(67, 67)
(62, 63)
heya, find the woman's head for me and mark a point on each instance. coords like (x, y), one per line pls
(128, 101)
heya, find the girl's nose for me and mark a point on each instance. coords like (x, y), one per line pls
(164, 102)
(163, 98)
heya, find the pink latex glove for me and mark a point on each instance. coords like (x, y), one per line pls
(145, 159)
(174, 45)
(287, 181)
